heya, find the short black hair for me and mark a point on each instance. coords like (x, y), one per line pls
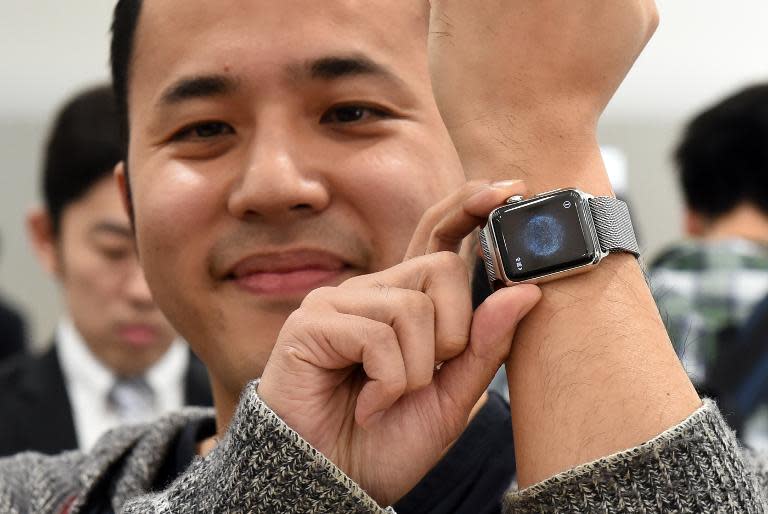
(125, 19)
(723, 156)
(84, 145)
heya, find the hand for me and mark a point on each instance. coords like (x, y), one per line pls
(353, 368)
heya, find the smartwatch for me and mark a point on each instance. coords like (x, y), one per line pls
(553, 235)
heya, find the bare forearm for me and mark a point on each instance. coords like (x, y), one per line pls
(592, 371)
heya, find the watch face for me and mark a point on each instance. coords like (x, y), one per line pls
(543, 236)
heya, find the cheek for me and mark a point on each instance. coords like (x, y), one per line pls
(174, 207)
(171, 205)
(90, 285)
(395, 185)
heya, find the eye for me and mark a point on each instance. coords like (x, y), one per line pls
(116, 253)
(347, 114)
(204, 130)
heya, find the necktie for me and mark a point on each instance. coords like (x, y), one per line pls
(132, 399)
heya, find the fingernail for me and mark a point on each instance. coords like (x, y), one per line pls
(505, 184)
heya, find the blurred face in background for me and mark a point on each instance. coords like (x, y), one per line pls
(105, 294)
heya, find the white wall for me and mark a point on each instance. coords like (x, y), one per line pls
(50, 48)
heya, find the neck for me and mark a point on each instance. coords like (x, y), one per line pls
(743, 222)
(225, 403)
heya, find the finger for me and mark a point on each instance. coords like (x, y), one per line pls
(411, 314)
(463, 380)
(384, 368)
(338, 341)
(445, 225)
(443, 277)
(460, 221)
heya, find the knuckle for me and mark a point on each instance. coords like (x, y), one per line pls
(432, 214)
(384, 290)
(381, 333)
(449, 262)
(297, 318)
(356, 281)
(317, 296)
(396, 385)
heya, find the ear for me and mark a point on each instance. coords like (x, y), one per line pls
(44, 242)
(695, 224)
(124, 187)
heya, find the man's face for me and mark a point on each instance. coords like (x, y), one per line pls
(104, 289)
(276, 147)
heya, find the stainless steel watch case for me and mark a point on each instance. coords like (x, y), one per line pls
(590, 234)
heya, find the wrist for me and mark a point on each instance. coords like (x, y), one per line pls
(548, 153)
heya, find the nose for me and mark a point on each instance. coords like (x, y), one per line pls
(276, 182)
(136, 288)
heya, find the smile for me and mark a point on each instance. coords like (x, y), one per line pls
(289, 273)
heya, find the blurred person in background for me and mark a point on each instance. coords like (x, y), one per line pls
(115, 358)
(707, 285)
(12, 331)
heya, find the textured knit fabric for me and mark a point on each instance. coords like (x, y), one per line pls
(262, 466)
(702, 288)
(471, 478)
(695, 467)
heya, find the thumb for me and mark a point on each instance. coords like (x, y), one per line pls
(465, 378)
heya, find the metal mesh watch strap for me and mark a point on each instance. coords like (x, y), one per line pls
(613, 224)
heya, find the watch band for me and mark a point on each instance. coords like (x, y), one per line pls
(490, 267)
(613, 224)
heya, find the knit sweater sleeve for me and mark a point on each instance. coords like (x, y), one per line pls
(261, 465)
(264, 466)
(32, 482)
(696, 466)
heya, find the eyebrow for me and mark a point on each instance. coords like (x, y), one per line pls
(109, 227)
(202, 86)
(335, 67)
(327, 68)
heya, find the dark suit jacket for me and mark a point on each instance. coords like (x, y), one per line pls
(12, 338)
(35, 413)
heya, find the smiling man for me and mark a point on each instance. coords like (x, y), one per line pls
(299, 206)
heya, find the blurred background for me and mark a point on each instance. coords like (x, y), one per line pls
(703, 50)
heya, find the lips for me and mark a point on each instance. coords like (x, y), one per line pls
(138, 334)
(288, 273)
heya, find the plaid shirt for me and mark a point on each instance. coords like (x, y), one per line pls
(702, 288)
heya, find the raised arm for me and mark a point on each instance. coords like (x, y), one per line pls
(592, 371)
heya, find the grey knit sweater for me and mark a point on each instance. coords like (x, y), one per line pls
(263, 466)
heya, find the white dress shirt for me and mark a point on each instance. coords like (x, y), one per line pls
(88, 384)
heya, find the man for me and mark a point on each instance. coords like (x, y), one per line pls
(115, 358)
(323, 206)
(707, 286)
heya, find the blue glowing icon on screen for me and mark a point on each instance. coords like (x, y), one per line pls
(543, 235)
